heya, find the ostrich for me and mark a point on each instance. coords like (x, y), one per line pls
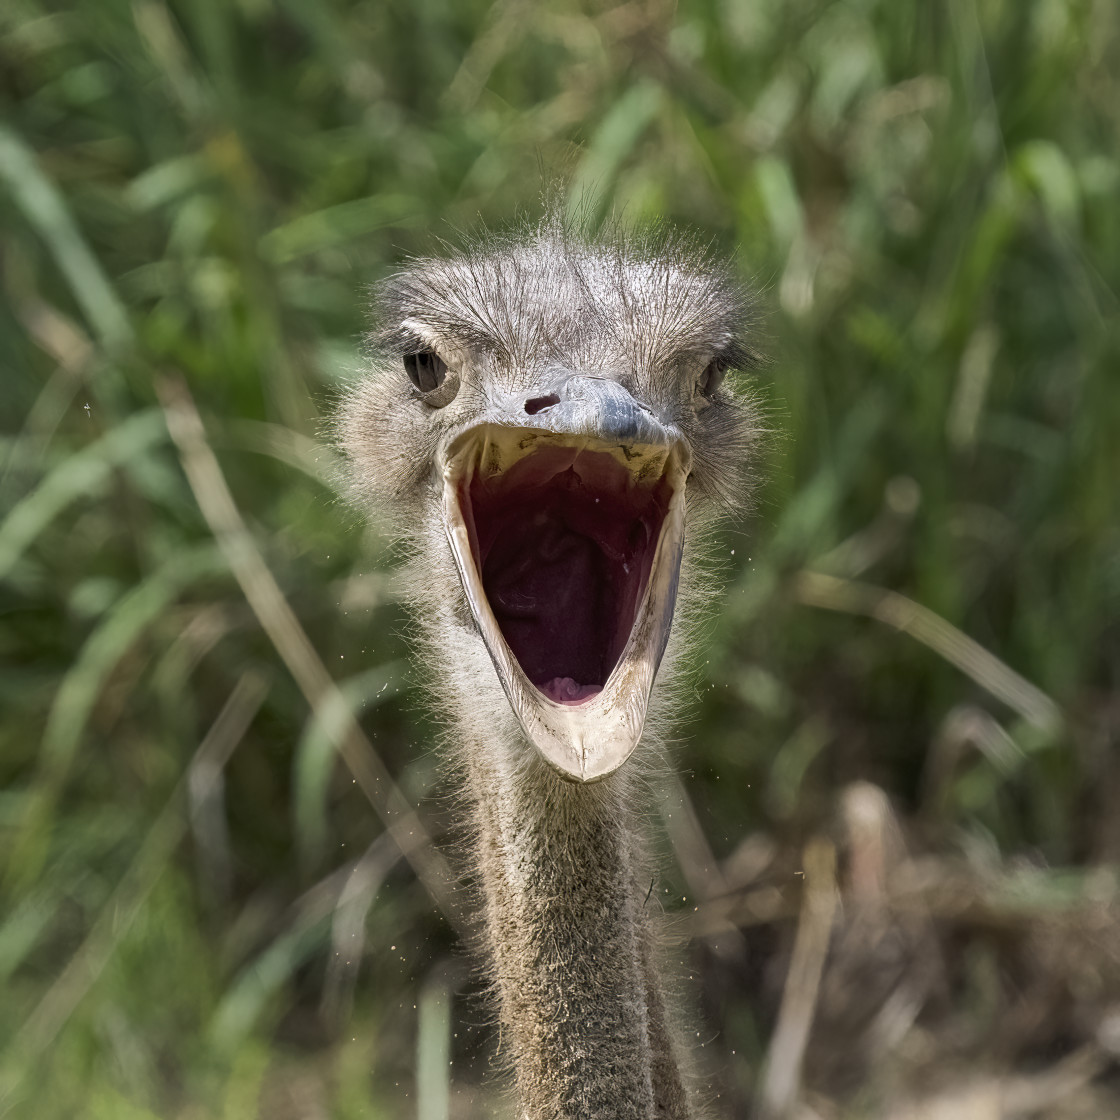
(545, 423)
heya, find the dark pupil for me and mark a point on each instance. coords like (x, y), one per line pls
(426, 370)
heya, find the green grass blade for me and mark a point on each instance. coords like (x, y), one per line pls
(433, 1053)
(45, 209)
(79, 474)
(315, 755)
(83, 685)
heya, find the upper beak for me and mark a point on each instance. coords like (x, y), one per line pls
(584, 421)
(594, 407)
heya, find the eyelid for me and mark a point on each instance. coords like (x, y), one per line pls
(419, 336)
(405, 342)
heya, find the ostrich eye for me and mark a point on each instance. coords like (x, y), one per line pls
(426, 370)
(709, 381)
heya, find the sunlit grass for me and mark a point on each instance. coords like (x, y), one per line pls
(200, 912)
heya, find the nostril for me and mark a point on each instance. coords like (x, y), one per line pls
(539, 404)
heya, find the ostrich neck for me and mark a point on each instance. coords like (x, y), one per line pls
(582, 1016)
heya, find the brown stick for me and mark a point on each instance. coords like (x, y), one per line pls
(279, 622)
(832, 593)
(781, 1081)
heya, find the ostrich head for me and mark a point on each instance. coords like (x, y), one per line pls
(547, 422)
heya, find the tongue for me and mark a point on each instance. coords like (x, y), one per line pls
(552, 591)
(564, 690)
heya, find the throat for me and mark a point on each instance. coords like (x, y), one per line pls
(564, 543)
(550, 576)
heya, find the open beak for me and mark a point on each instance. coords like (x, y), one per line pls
(565, 513)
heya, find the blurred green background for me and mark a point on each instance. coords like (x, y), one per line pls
(200, 913)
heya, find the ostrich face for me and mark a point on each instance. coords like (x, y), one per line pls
(555, 406)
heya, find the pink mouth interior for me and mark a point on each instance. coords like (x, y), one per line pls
(564, 542)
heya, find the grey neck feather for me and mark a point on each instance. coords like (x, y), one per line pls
(583, 1021)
